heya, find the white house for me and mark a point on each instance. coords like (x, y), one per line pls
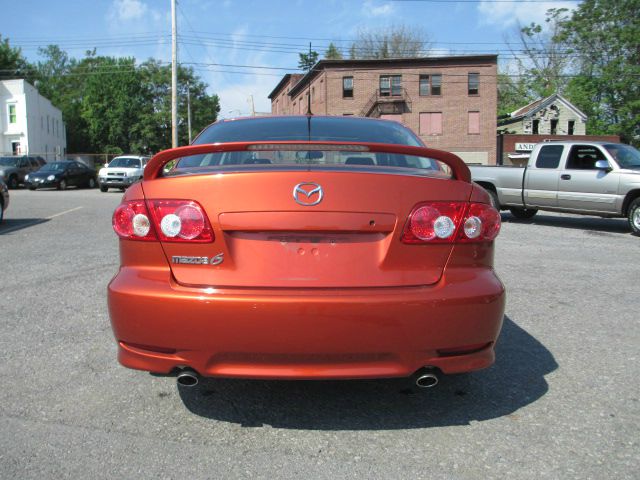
(554, 115)
(29, 123)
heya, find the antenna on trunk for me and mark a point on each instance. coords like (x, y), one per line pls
(309, 89)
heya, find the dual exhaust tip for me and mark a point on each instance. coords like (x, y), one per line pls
(188, 378)
(425, 378)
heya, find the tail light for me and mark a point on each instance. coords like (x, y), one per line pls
(446, 222)
(131, 221)
(181, 221)
(168, 220)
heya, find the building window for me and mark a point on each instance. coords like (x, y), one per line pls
(436, 84)
(474, 123)
(47, 123)
(347, 87)
(13, 117)
(571, 125)
(554, 127)
(474, 84)
(536, 127)
(431, 123)
(390, 85)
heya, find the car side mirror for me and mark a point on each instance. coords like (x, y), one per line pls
(603, 165)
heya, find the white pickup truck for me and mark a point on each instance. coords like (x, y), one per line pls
(590, 178)
(121, 172)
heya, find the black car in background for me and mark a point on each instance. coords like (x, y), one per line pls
(4, 199)
(61, 175)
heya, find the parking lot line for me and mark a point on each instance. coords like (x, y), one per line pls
(63, 213)
(35, 222)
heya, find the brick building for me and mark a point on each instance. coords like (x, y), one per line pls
(450, 102)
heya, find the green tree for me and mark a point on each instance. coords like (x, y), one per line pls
(543, 55)
(307, 60)
(13, 64)
(513, 93)
(153, 131)
(605, 36)
(332, 53)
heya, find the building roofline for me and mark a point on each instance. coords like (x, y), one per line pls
(283, 81)
(544, 102)
(364, 63)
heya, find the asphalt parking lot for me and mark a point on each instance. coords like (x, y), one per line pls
(562, 400)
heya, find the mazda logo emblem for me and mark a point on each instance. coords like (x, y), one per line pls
(303, 193)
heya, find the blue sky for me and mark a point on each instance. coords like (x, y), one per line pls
(234, 34)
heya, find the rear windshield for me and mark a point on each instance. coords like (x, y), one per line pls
(305, 160)
(312, 129)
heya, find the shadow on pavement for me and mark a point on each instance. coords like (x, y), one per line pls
(516, 380)
(589, 224)
(10, 225)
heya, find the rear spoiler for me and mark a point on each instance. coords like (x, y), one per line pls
(458, 167)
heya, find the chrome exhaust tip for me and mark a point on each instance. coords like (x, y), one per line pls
(426, 379)
(187, 378)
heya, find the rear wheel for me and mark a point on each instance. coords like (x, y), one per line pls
(91, 183)
(523, 213)
(634, 217)
(13, 182)
(1, 210)
(32, 187)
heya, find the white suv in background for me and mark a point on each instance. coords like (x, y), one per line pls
(121, 172)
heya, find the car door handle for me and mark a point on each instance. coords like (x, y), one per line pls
(565, 177)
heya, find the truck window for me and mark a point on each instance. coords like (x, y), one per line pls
(549, 156)
(583, 157)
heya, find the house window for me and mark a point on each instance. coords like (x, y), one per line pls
(536, 127)
(431, 123)
(554, 127)
(436, 84)
(430, 84)
(47, 123)
(571, 125)
(474, 123)
(474, 84)
(347, 87)
(13, 117)
(390, 85)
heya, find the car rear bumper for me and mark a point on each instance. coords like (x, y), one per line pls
(306, 334)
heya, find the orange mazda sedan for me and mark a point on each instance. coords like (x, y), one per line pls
(306, 247)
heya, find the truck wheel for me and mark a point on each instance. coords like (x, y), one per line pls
(523, 213)
(103, 189)
(634, 217)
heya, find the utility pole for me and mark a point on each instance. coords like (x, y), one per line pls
(189, 110)
(253, 107)
(174, 76)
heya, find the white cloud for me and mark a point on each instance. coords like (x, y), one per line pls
(374, 9)
(509, 14)
(127, 10)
